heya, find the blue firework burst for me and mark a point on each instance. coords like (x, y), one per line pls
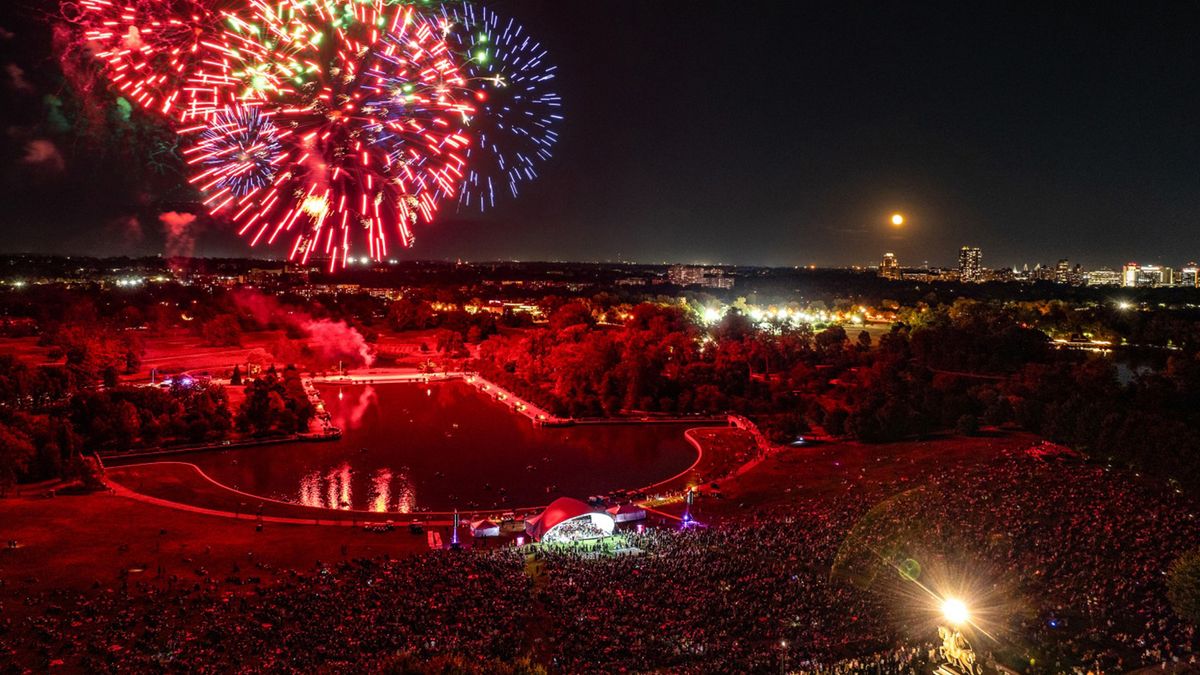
(518, 111)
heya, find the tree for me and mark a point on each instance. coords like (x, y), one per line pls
(1183, 586)
(223, 331)
(275, 405)
(967, 425)
(831, 339)
(235, 380)
(835, 422)
(16, 452)
(410, 314)
(571, 314)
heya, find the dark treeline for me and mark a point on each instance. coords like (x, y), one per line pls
(951, 368)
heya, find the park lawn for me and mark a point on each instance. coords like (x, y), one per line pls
(76, 541)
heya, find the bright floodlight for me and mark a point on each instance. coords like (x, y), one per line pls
(955, 611)
(897, 219)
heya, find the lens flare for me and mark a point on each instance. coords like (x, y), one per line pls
(955, 611)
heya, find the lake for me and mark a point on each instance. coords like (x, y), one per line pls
(420, 447)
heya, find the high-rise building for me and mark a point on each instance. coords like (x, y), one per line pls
(889, 268)
(1135, 275)
(970, 264)
(1190, 275)
(1162, 276)
(1062, 271)
(1105, 276)
(1043, 273)
(1130, 272)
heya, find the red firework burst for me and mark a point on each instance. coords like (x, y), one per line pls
(148, 47)
(361, 100)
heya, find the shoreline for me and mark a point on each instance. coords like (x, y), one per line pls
(658, 492)
(320, 429)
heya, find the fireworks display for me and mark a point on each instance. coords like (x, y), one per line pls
(147, 46)
(240, 151)
(333, 125)
(512, 82)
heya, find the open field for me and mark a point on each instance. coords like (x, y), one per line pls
(77, 541)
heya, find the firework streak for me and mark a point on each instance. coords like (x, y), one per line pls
(332, 124)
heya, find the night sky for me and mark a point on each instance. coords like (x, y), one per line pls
(754, 133)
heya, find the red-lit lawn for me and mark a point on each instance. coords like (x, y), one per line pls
(75, 541)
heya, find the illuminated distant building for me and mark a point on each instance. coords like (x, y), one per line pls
(889, 268)
(695, 275)
(1129, 274)
(970, 264)
(1190, 275)
(1134, 275)
(1104, 276)
(1157, 275)
(1062, 271)
(1043, 273)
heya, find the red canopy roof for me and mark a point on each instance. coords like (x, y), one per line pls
(559, 511)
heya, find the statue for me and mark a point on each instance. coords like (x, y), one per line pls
(959, 656)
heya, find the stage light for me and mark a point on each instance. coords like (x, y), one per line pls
(955, 611)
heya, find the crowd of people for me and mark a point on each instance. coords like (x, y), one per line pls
(1070, 557)
(329, 617)
(1069, 560)
(1081, 552)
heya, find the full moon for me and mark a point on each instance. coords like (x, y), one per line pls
(897, 219)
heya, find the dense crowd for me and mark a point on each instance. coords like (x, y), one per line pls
(329, 617)
(1082, 549)
(1072, 555)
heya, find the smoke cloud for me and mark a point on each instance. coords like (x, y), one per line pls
(129, 228)
(132, 39)
(180, 233)
(44, 154)
(336, 341)
(16, 77)
(327, 341)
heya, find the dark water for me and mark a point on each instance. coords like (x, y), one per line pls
(442, 446)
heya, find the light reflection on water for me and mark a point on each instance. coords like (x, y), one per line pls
(381, 489)
(411, 448)
(406, 496)
(334, 489)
